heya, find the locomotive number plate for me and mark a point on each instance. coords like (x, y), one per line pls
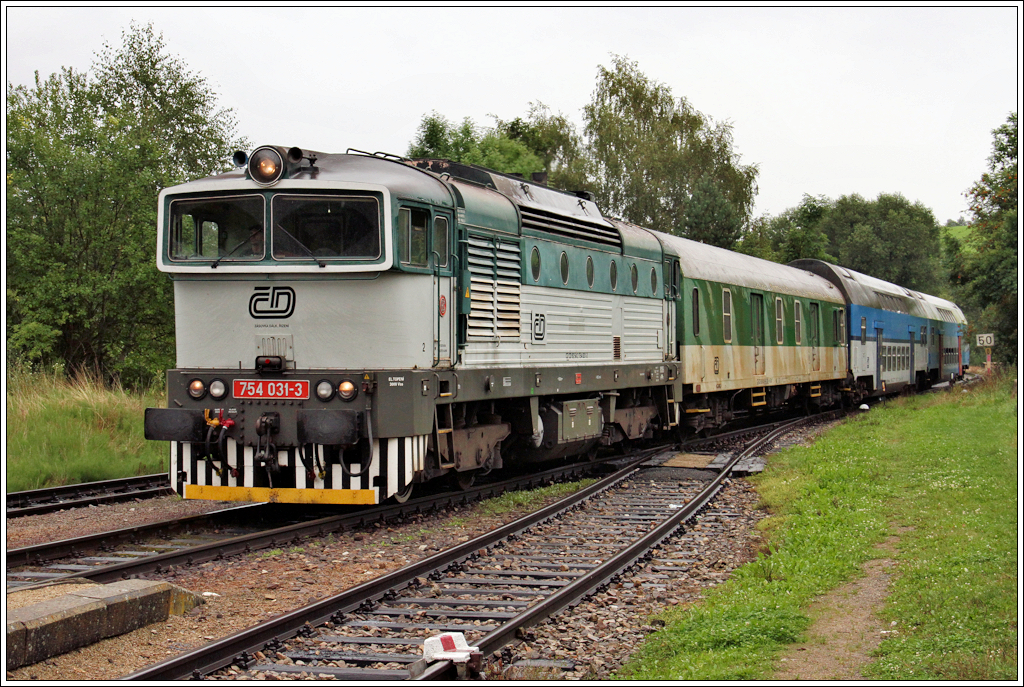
(262, 388)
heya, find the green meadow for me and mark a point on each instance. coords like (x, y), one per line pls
(65, 431)
(939, 473)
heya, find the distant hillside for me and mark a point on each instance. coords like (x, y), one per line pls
(960, 233)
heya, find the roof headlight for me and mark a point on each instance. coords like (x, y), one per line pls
(347, 390)
(324, 390)
(218, 388)
(197, 389)
(266, 166)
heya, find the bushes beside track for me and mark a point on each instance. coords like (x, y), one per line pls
(936, 476)
(66, 431)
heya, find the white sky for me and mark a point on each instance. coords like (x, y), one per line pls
(827, 101)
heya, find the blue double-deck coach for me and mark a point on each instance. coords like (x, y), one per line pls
(898, 337)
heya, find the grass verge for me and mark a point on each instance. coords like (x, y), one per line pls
(939, 472)
(67, 431)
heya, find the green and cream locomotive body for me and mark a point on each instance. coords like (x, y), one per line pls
(351, 325)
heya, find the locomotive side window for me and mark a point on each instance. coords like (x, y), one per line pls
(613, 274)
(590, 271)
(798, 322)
(310, 227)
(727, 315)
(440, 241)
(535, 263)
(412, 236)
(634, 276)
(696, 312)
(217, 228)
(654, 282)
(563, 265)
(778, 320)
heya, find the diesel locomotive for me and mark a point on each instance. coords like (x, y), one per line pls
(351, 325)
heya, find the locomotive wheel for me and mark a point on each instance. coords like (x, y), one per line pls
(404, 495)
(465, 480)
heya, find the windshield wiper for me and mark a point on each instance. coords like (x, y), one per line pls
(231, 252)
(302, 246)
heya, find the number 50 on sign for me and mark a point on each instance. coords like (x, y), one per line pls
(986, 340)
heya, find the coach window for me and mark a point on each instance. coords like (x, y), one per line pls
(727, 315)
(535, 263)
(590, 271)
(412, 236)
(440, 239)
(696, 312)
(778, 320)
(613, 274)
(798, 329)
(863, 329)
(924, 335)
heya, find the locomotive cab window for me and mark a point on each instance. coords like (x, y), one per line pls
(440, 242)
(311, 227)
(412, 236)
(227, 228)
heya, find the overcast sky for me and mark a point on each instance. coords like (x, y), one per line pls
(826, 101)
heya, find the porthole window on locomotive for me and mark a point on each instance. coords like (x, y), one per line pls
(654, 282)
(535, 263)
(613, 274)
(564, 266)
(634, 277)
(590, 271)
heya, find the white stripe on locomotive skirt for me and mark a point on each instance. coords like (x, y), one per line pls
(393, 465)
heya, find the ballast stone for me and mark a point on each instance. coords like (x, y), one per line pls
(79, 618)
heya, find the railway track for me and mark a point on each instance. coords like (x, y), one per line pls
(158, 547)
(490, 588)
(37, 501)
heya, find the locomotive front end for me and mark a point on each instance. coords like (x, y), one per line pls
(286, 306)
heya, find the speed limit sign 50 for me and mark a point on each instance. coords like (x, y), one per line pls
(986, 340)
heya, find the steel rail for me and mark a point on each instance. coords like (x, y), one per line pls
(240, 646)
(37, 501)
(591, 581)
(222, 652)
(157, 563)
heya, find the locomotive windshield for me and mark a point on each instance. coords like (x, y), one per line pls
(325, 227)
(305, 228)
(225, 228)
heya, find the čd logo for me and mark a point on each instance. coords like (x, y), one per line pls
(276, 302)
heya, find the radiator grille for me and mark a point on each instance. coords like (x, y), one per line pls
(569, 227)
(617, 348)
(494, 274)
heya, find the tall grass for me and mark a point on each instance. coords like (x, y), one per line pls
(63, 430)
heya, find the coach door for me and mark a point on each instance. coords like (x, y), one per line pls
(757, 331)
(443, 318)
(814, 337)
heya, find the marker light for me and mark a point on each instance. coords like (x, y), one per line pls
(324, 390)
(347, 390)
(218, 388)
(196, 389)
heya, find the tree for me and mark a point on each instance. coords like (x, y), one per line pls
(87, 155)
(793, 234)
(467, 143)
(710, 218)
(983, 268)
(889, 238)
(648, 150)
